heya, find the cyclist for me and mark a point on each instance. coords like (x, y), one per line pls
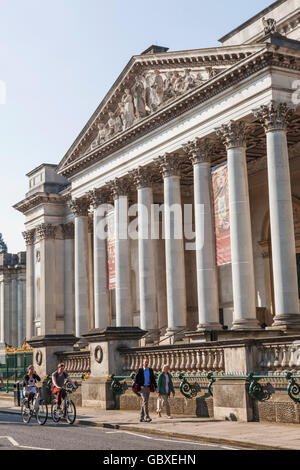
(58, 380)
(29, 383)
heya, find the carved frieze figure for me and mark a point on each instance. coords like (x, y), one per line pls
(139, 98)
(129, 116)
(121, 113)
(100, 137)
(118, 124)
(157, 93)
(110, 125)
(168, 86)
(269, 25)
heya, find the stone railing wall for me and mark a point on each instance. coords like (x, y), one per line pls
(76, 362)
(188, 360)
(277, 358)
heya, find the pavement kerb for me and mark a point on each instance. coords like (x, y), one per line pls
(190, 437)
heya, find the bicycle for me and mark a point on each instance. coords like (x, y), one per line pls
(30, 407)
(69, 409)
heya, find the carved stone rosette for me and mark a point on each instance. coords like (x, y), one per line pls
(29, 236)
(119, 187)
(46, 231)
(68, 231)
(169, 164)
(142, 177)
(232, 134)
(274, 116)
(80, 207)
(198, 150)
(99, 196)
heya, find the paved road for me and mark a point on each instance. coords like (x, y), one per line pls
(15, 435)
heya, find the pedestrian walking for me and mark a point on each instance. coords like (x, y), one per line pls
(146, 383)
(165, 388)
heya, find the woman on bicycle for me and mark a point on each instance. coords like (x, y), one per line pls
(29, 383)
(58, 380)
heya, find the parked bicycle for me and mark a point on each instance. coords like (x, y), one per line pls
(68, 411)
(34, 407)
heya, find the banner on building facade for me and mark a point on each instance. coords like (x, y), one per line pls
(111, 251)
(219, 176)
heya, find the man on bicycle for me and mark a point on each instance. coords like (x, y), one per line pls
(58, 380)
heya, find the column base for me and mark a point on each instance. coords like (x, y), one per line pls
(286, 322)
(151, 337)
(173, 335)
(209, 327)
(246, 324)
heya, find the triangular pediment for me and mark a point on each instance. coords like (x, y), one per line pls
(150, 82)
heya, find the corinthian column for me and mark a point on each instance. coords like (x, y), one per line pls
(69, 304)
(99, 199)
(29, 240)
(233, 136)
(46, 237)
(148, 312)
(80, 209)
(199, 153)
(274, 118)
(169, 166)
(122, 253)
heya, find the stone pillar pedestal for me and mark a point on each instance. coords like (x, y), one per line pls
(105, 360)
(45, 347)
(231, 400)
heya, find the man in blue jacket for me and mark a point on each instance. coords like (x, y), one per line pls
(145, 379)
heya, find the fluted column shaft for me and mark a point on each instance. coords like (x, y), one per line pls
(122, 255)
(146, 251)
(69, 279)
(207, 284)
(244, 303)
(101, 293)
(29, 240)
(274, 118)
(20, 322)
(2, 314)
(80, 210)
(174, 247)
(14, 311)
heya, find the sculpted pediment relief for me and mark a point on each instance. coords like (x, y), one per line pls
(147, 85)
(150, 91)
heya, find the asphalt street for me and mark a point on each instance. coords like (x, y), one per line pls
(15, 435)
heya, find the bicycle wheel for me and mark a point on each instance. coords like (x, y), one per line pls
(25, 412)
(55, 413)
(42, 413)
(70, 412)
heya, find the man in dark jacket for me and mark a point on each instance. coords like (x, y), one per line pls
(145, 379)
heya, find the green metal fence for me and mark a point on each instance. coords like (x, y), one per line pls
(14, 367)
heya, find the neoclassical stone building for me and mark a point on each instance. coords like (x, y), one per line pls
(12, 297)
(216, 130)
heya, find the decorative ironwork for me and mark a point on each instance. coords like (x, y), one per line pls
(212, 381)
(256, 390)
(188, 390)
(293, 388)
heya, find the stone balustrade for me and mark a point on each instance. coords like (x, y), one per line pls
(187, 360)
(76, 362)
(279, 357)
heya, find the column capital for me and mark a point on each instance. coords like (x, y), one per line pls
(169, 164)
(29, 236)
(119, 187)
(99, 196)
(80, 206)
(232, 134)
(198, 150)
(274, 116)
(46, 231)
(142, 177)
(68, 231)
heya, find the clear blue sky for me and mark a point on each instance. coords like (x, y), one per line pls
(59, 58)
